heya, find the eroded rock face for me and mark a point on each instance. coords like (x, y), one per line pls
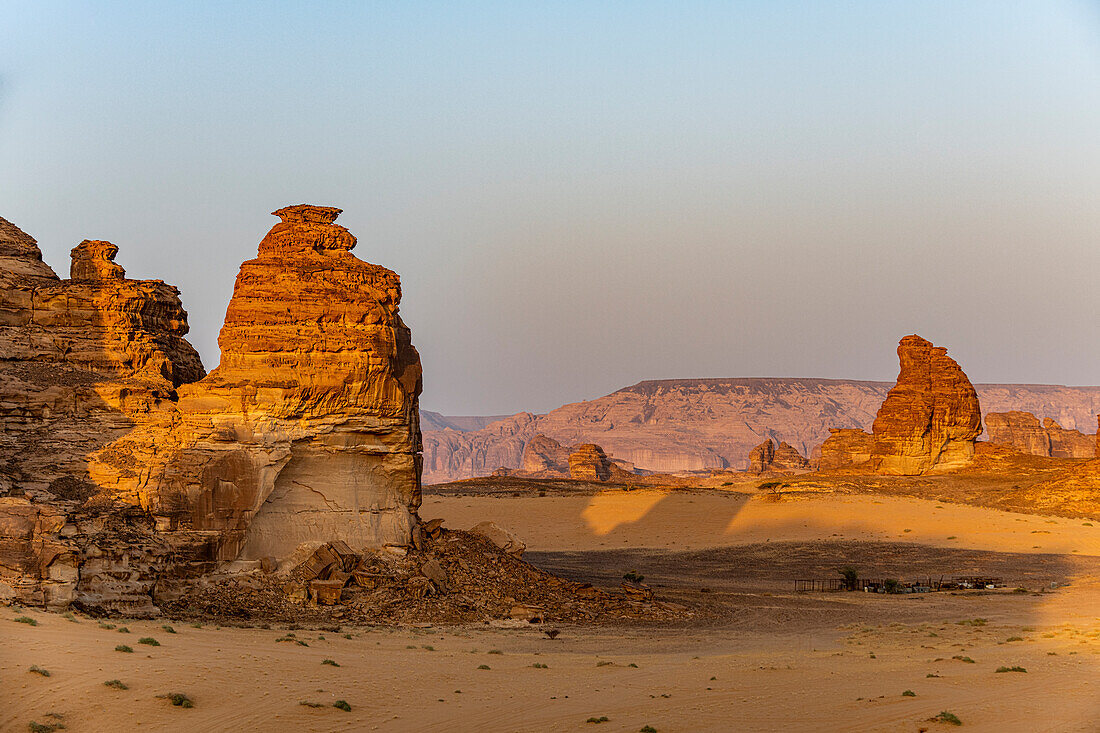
(545, 455)
(1024, 432)
(930, 419)
(588, 462)
(128, 473)
(308, 429)
(846, 448)
(766, 457)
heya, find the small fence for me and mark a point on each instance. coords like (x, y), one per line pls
(891, 585)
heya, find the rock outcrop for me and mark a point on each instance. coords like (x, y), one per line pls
(766, 457)
(930, 419)
(1024, 432)
(846, 448)
(545, 455)
(588, 462)
(124, 472)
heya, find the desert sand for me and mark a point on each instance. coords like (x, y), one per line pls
(772, 659)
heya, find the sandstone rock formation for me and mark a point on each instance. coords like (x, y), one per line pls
(845, 448)
(588, 462)
(126, 472)
(704, 424)
(1024, 432)
(545, 455)
(766, 457)
(930, 419)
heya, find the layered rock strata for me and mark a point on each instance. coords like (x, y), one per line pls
(930, 419)
(1024, 432)
(588, 462)
(127, 473)
(845, 448)
(766, 457)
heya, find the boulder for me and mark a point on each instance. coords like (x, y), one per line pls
(500, 537)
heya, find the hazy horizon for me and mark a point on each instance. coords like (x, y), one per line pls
(579, 197)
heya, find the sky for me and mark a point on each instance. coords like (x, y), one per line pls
(582, 195)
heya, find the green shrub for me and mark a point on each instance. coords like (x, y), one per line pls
(633, 576)
(494, 651)
(179, 700)
(148, 641)
(1011, 669)
(483, 666)
(342, 705)
(34, 727)
(961, 658)
(168, 629)
(536, 665)
(647, 729)
(116, 684)
(908, 693)
(38, 670)
(123, 630)
(329, 662)
(946, 717)
(601, 719)
(26, 620)
(124, 648)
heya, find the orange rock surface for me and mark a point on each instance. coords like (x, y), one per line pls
(588, 462)
(930, 419)
(307, 431)
(766, 457)
(1024, 432)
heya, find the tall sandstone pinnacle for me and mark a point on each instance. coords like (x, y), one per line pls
(308, 430)
(930, 419)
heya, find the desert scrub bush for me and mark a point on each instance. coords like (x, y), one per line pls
(647, 729)
(908, 693)
(483, 666)
(123, 630)
(68, 616)
(850, 576)
(330, 662)
(342, 705)
(26, 620)
(428, 647)
(494, 651)
(168, 629)
(601, 719)
(125, 649)
(1011, 669)
(179, 699)
(38, 670)
(35, 727)
(537, 665)
(973, 622)
(148, 641)
(310, 704)
(633, 576)
(961, 658)
(116, 685)
(1015, 638)
(946, 717)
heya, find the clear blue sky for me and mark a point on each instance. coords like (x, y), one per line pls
(580, 195)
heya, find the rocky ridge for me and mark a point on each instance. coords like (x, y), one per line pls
(1024, 432)
(708, 424)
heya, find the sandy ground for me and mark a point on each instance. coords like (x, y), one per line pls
(782, 661)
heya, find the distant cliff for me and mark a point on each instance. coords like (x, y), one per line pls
(699, 424)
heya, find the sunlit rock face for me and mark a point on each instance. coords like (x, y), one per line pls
(309, 427)
(1024, 432)
(931, 417)
(124, 471)
(766, 457)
